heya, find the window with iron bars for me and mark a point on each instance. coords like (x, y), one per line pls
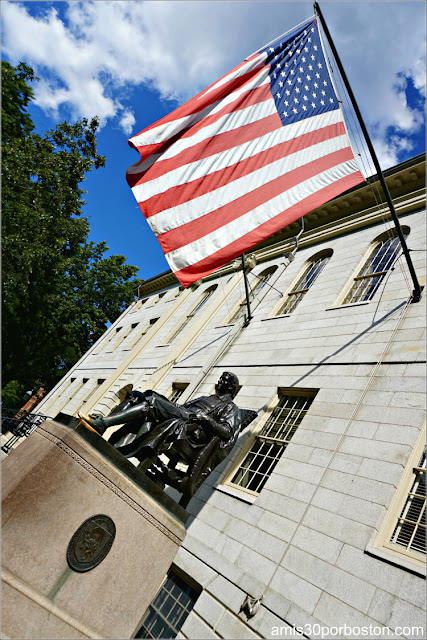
(410, 529)
(304, 282)
(170, 608)
(272, 440)
(260, 283)
(202, 301)
(178, 389)
(379, 263)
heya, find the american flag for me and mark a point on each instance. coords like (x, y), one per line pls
(246, 157)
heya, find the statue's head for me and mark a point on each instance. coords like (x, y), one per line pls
(228, 383)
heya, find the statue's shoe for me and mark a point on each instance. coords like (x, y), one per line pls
(96, 423)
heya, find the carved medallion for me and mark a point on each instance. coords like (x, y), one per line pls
(91, 543)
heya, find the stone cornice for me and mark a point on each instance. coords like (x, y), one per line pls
(355, 209)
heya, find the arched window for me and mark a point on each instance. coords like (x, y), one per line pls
(258, 286)
(311, 271)
(379, 263)
(201, 302)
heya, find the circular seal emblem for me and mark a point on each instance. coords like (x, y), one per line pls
(91, 543)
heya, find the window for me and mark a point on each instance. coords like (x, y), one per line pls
(410, 529)
(202, 301)
(260, 282)
(124, 335)
(146, 329)
(170, 608)
(304, 282)
(378, 264)
(272, 440)
(178, 389)
(401, 538)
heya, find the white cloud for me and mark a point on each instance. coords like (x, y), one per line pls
(101, 49)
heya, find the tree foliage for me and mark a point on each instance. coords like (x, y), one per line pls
(59, 291)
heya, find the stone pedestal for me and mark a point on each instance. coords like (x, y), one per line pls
(51, 484)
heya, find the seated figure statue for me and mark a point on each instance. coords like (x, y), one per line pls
(200, 433)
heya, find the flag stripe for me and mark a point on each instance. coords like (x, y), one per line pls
(251, 239)
(282, 187)
(181, 194)
(226, 194)
(194, 111)
(179, 175)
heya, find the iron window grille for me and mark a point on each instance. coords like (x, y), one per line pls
(303, 284)
(178, 389)
(262, 280)
(203, 300)
(410, 530)
(271, 441)
(377, 266)
(169, 609)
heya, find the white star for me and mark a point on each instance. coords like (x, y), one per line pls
(271, 49)
(319, 65)
(296, 100)
(306, 49)
(325, 83)
(306, 87)
(294, 110)
(298, 51)
(322, 102)
(292, 72)
(310, 67)
(323, 93)
(286, 103)
(278, 65)
(278, 94)
(290, 53)
(313, 105)
(315, 47)
(288, 81)
(285, 113)
(304, 107)
(312, 57)
(330, 100)
(301, 70)
(297, 89)
(312, 29)
(316, 85)
(305, 97)
(288, 93)
(280, 83)
(303, 59)
(317, 75)
(314, 95)
(309, 39)
(274, 75)
(305, 33)
(281, 45)
(308, 77)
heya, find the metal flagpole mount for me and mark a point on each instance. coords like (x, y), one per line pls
(416, 294)
(249, 317)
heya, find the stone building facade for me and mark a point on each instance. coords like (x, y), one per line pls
(317, 513)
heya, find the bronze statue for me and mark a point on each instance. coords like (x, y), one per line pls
(200, 433)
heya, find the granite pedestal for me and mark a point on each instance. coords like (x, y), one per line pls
(51, 484)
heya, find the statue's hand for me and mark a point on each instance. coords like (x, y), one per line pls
(201, 416)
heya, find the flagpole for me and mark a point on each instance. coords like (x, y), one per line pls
(249, 318)
(416, 294)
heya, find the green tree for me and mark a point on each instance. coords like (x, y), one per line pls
(59, 291)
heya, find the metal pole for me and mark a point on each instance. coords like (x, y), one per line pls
(249, 318)
(416, 294)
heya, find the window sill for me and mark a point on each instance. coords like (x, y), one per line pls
(235, 493)
(396, 559)
(283, 315)
(350, 304)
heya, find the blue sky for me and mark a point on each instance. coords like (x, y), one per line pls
(133, 62)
